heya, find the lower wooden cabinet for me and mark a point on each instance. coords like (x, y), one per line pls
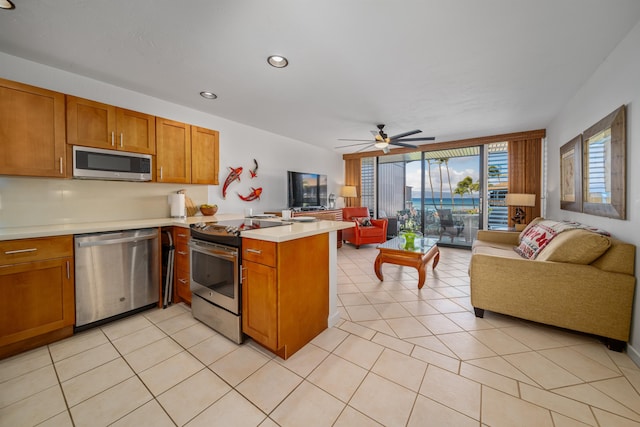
(37, 285)
(260, 303)
(285, 292)
(181, 264)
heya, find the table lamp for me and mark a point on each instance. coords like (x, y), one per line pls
(348, 191)
(519, 200)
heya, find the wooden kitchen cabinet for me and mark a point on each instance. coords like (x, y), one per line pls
(181, 264)
(32, 140)
(204, 156)
(285, 291)
(94, 124)
(182, 277)
(37, 284)
(173, 151)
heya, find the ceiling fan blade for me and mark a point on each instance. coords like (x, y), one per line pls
(401, 144)
(349, 139)
(402, 135)
(424, 138)
(353, 145)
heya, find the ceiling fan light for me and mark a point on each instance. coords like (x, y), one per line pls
(381, 144)
(6, 4)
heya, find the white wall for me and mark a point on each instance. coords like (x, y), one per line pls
(32, 201)
(616, 82)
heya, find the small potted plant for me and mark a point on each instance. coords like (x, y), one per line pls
(409, 232)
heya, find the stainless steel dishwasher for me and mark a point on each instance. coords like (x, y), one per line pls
(117, 273)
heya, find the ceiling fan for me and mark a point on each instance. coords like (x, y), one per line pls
(382, 140)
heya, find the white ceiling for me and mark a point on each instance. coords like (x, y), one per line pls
(453, 68)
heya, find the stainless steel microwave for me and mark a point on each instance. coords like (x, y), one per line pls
(95, 163)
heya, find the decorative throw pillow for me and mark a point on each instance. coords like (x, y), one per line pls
(532, 240)
(364, 221)
(531, 224)
(575, 247)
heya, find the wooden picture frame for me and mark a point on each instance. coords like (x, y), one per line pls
(604, 162)
(571, 175)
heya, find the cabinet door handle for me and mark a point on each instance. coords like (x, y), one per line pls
(160, 173)
(113, 139)
(182, 235)
(254, 251)
(20, 251)
(61, 173)
(68, 275)
(121, 143)
(182, 253)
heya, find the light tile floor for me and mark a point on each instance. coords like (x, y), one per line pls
(399, 357)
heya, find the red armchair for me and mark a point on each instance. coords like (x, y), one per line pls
(362, 235)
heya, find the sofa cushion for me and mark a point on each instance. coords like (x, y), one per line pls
(505, 251)
(575, 247)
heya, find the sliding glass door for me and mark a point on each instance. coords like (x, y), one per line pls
(451, 195)
(447, 194)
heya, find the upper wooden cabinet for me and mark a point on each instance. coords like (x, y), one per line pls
(34, 137)
(32, 131)
(204, 156)
(93, 124)
(173, 148)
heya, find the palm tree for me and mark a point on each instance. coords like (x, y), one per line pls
(431, 183)
(440, 172)
(494, 172)
(465, 187)
(460, 190)
(474, 187)
(446, 163)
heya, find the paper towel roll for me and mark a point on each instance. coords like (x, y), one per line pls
(177, 202)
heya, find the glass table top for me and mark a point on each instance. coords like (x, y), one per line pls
(420, 244)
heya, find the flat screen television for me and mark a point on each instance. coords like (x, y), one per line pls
(306, 190)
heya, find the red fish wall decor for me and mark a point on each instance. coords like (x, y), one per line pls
(254, 171)
(234, 175)
(255, 194)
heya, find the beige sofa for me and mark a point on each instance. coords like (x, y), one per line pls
(569, 284)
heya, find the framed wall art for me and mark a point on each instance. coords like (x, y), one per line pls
(571, 175)
(604, 167)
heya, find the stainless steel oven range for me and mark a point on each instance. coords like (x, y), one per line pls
(216, 273)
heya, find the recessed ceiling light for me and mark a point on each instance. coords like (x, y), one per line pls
(277, 61)
(208, 95)
(6, 4)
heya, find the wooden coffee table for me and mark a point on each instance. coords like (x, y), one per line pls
(418, 256)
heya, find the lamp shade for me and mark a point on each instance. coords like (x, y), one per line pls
(519, 199)
(348, 191)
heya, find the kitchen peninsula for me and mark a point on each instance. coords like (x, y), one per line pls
(310, 239)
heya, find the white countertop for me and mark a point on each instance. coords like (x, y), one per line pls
(275, 234)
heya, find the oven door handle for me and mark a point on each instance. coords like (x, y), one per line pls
(220, 253)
